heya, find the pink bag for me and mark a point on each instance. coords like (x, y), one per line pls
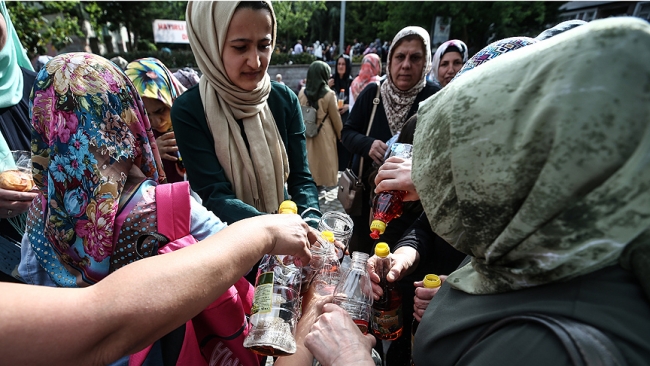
(216, 335)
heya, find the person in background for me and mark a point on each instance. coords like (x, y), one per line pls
(369, 73)
(241, 135)
(158, 89)
(187, 76)
(447, 61)
(16, 80)
(321, 149)
(278, 78)
(40, 62)
(341, 80)
(409, 61)
(297, 49)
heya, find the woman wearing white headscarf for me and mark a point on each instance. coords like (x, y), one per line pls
(405, 86)
(241, 135)
(447, 61)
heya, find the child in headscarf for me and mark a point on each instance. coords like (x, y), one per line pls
(158, 89)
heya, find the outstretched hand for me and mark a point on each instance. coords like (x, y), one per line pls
(405, 260)
(395, 175)
(289, 235)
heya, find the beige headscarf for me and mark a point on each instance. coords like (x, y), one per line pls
(257, 176)
(539, 167)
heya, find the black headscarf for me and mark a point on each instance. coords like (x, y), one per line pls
(345, 81)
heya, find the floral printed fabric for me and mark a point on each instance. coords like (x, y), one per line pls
(89, 128)
(539, 168)
(152, 79)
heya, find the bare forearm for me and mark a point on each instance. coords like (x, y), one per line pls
(127, 310)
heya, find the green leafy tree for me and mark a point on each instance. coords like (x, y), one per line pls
(34, 29)
(293, 19)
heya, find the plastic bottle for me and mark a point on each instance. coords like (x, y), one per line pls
(387, 322)
(276, 305)
(328, 275)
(354, 292)
(430, 281)
(321, 254)
(388, 205)
(340, 98)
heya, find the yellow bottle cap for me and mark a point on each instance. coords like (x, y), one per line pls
(288, 207)
(378, 225)
(431, 281)
(382, 250)
(327, 235)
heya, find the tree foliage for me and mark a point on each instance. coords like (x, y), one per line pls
(36, 31)
(293, 18)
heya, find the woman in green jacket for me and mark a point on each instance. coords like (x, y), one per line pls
(241, 135)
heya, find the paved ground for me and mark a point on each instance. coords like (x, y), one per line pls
(327, 199)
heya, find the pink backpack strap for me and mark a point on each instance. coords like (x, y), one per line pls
(173, 209)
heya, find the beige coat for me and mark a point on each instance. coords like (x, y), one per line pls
(321, 150)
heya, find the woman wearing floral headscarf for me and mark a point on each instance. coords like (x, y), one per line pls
(241, 135)
(447, 61)
(369, 73)
(159, 89)
(93, 152)
(409, 61)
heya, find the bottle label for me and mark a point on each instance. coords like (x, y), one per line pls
(263, 300)
(386, 321)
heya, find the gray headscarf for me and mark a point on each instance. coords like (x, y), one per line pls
(539, 168)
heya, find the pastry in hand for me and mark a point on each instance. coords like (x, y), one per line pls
(16, 180)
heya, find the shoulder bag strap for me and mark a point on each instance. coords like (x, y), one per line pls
(323, 121)
(586, 345)
(375, 103)
(173, 209)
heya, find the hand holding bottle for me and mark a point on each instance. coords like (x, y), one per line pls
(395, 175)
(423, 297)
(289, 234)
(167, 146)
(336, 340)
(405, 259)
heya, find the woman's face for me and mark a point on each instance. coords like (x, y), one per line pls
(406, 64)
(159, 114)
(247, 50)
(450, 64)
(340, 66)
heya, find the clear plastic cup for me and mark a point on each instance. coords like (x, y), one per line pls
(340, 224)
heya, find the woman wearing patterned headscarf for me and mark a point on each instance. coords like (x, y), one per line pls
(16, 79)
(241, 135)
(159, 89)
(405, 86)
(93, 152)
(321, 149)
(448, 60)
(369, 73)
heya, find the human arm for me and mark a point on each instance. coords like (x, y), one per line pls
(353, 135)
(204, 171)
(395, 174)
(139, 303)
(336, 340)
(17, 202)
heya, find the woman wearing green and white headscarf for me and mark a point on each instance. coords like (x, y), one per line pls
(321, 149)
(16, 79)
(537, 166)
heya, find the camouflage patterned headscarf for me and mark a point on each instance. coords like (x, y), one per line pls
(539, 167)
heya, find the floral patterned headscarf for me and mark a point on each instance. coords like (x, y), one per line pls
(89, 128)
(152, 79)
(538, 168)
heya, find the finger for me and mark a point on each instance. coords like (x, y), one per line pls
(371, 338)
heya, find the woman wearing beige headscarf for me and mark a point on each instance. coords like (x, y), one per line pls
(241, 135)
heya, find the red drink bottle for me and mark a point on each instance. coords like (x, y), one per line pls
(387, 205)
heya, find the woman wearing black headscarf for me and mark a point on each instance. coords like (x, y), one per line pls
(341, 80)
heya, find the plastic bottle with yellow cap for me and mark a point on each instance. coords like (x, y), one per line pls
(327, 276)
(429, 281)
(387, 322)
